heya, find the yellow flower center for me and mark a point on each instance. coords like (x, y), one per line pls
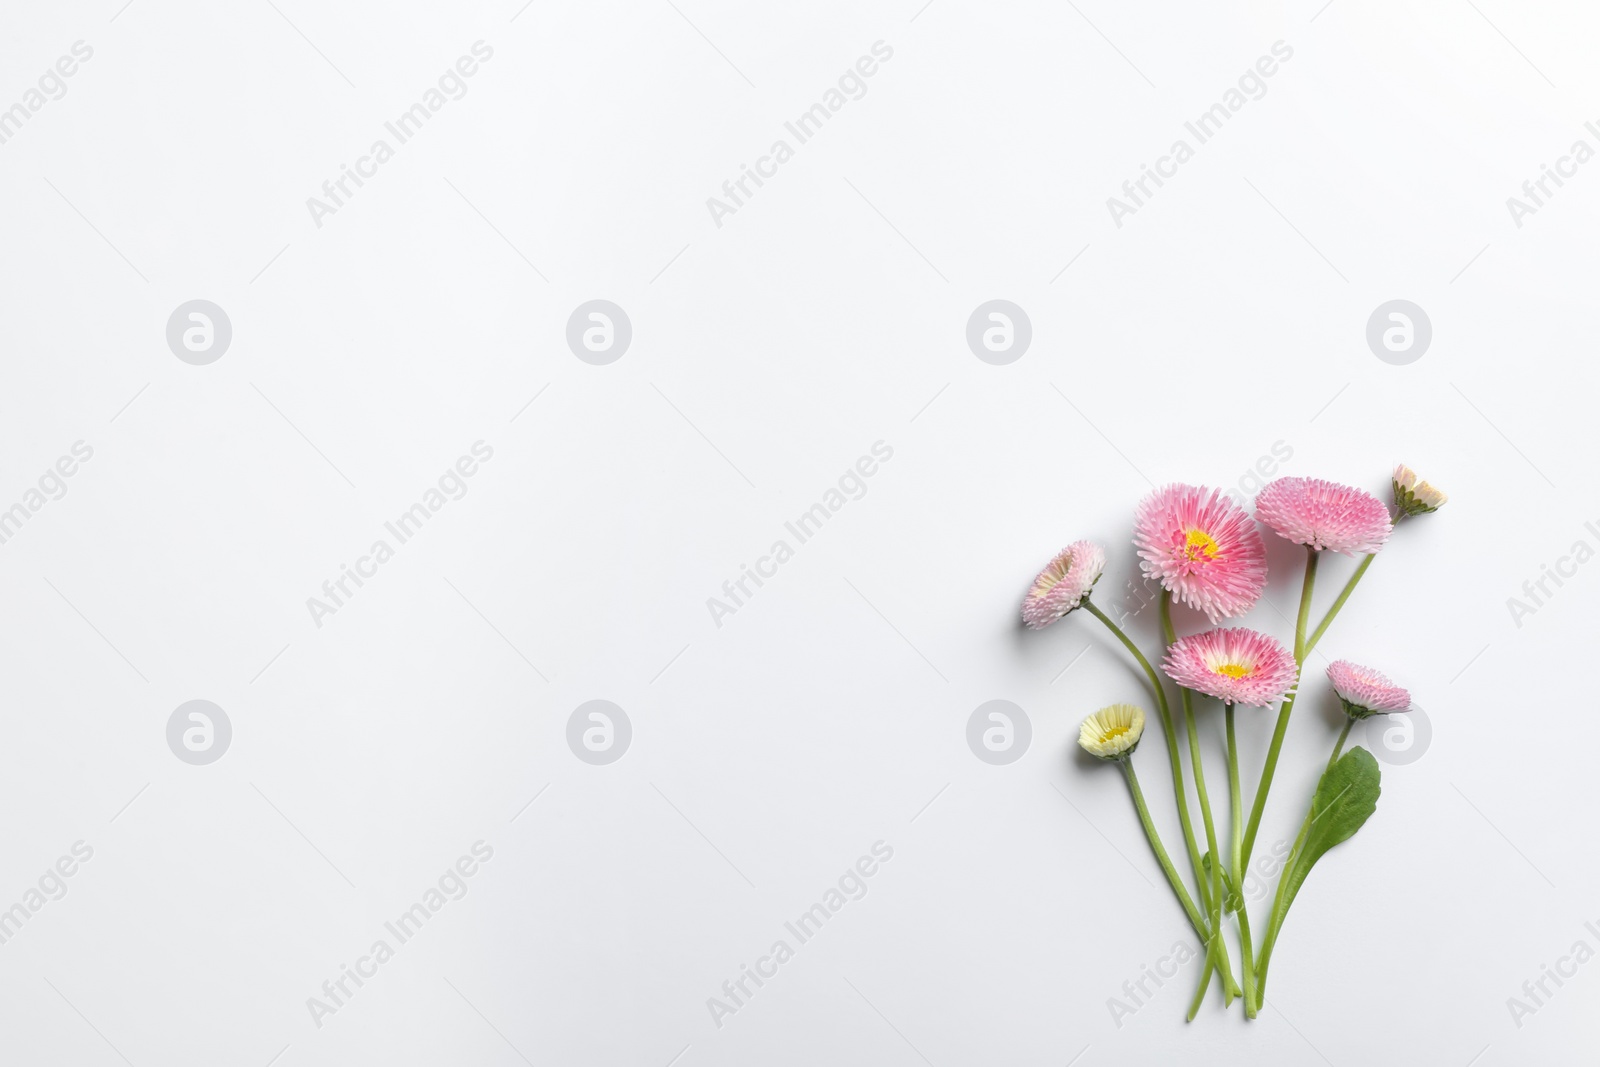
(1112, 732)
(1200, 545)
(1235, 670)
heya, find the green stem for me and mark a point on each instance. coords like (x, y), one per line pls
(1344, 594)
(1275, 916)
(1251, 993)
(1274, 923)
(1236, 806)
(1172, 745)
(1230, 985)
(1303, 648)
(1207, 892)
(1338, 746)
(1227, 979)
(1305, 606)
(1220, 946)
(1236, 820)
(1284, 711)
(1230, 988)
(1280, 908)
(1200, 990)
(1195, 919)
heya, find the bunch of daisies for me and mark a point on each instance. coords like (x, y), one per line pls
(1207, 552)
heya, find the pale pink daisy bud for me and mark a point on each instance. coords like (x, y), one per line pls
(1203, 548)
(1063, 584)
(1235, 665)
(1325, 515)
(1412, 496)
(1365, 692)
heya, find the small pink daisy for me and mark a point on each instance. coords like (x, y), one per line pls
(1235, 665)
(1325, 515)
(1063, 584)
(1365, 692)
(1202, 547)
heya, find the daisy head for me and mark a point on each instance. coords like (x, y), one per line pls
(1365, 692)
(1236, 665)
(1063, 584)
(1112, 733)
(1412, 495)
(1203, 548)
(1325, 515)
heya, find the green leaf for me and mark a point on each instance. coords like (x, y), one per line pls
(1345, 798)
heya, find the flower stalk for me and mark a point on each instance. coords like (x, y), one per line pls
(1184, 822)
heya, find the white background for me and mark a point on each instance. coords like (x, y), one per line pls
(828, 313)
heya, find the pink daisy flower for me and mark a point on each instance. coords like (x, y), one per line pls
(1235, 665)
(1325, 515)
(1202, 547)
(1063, 584)
(1365, 692)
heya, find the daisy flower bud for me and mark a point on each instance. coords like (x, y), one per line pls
(1203, 548)
(1325, 515)
(1063, 584)
(1412, 496)
(1236, 665)
(1113, 732)
(1365, 692)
